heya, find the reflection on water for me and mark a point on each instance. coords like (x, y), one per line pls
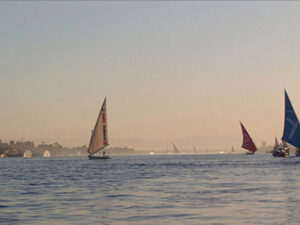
(198, 189)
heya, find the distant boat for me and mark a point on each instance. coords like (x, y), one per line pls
(27, 154)
(175, 149)
(276, 146)
(280, 150)
(248, 144)
(291, 132)
(232, 150)
(195, 150)
(99, 139)
(47, 154)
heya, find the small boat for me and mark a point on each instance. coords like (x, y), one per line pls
(195, 150)
(175, 149)
(27, 154)
(232, 150)
(280, 150)
(47, 153)
(248, 144)
(99, 138)
(291, 132)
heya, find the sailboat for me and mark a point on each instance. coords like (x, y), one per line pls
(276, 146)
(291, 132)
(195, 150)
(99, 138)
(248, 144)
(280, 150)
(175, 149)
(232, 150)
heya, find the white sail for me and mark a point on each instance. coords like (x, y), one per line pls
(99, 138)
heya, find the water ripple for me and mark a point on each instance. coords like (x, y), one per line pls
(199, 189)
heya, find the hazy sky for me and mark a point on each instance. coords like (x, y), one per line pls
(168, 69)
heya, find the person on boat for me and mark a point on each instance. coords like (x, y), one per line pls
(103, 153)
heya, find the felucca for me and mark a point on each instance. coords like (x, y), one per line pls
(248, 144)
(195, 150)
(280, 150)
(291, 132)
(99, 138)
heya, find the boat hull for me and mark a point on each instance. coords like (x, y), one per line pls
(98, 157)
(280, 154)
(250, 153)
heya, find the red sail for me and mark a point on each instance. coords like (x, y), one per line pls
(247, 141)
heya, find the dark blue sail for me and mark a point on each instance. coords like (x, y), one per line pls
(291, 133)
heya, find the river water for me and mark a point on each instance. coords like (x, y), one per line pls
(181, 189)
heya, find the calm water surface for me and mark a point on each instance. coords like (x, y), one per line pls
(185, 189)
